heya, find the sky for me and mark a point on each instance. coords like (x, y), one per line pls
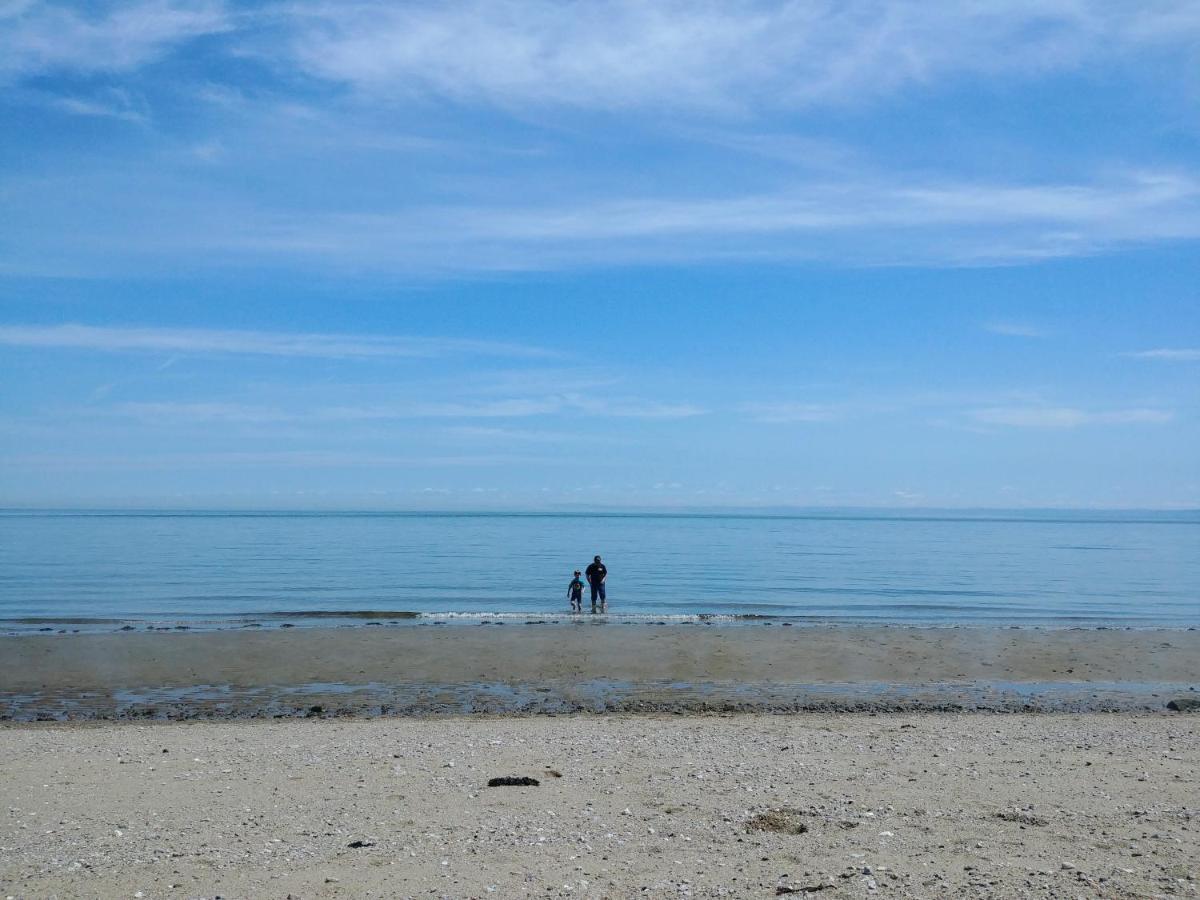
(523, 255)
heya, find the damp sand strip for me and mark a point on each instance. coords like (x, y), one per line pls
(552, 670)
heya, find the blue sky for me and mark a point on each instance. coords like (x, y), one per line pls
(530, 254)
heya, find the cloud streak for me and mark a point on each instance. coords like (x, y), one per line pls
(879, 220)
(39, 37)
(1168, 354)
(267, 458)
(871, 222)
(1069, 417)
(792, 413)
(112, 105)
(615, 54)
(1015, 329)
(318, 84)
(253, 343)
(608, 54)
(528, 407)
(503, 408)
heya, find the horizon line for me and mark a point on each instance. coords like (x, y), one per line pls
(585, 509)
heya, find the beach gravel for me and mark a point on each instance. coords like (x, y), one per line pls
(828, 805)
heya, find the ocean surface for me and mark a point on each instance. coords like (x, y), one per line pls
(99, 571)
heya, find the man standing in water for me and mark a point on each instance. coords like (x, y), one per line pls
(596, 573)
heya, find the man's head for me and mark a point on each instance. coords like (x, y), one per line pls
(595, 559)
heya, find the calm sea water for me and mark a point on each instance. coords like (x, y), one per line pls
(227, 568)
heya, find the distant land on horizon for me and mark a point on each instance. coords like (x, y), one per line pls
(832, 512)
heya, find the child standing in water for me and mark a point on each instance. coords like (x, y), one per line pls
(575, 593)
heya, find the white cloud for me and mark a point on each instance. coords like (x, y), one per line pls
(522, 435)
(263, 343)
(110, 104)
(202, 412)
(506, 408)
(1015, 329)
(116, 215)
(871, 220)
(269, 458)
(607, 54)
(634, 408)
(1068, 417)
(516, 407)
(955, 222)
(1170, 354)
(622, 53)
(207, 151)
(38, 37)
(790, 413)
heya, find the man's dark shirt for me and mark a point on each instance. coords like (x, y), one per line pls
(596, 573)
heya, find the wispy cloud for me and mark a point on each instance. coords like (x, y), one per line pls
(508, 408)
(265, 458)
(791, 413)
(634, 408)
(841, 198)
(262, 343)
(1069, 417)
(876, 220)
(521, 435)
(109, 104)
(38, 37)
(972, 410)
(201, 412)
(1015, 329)
(1137, 205)
(1169, 354)
(608, 54)
(955, 223)
(503, 408)
(622, 53)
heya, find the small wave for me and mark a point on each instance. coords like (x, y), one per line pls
(59, 620)
(619, 616)
(335, 614)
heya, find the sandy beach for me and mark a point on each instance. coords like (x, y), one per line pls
(830, 761)
(402, 670)
(830, 805)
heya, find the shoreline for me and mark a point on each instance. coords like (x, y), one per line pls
(367, 672)
(36, 626)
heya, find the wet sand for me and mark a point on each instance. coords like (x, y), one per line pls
(907, 805)
(547, 668)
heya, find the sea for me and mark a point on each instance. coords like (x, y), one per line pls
(108, 570)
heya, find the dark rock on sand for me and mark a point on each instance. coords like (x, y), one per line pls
(802, 889)
(513, 781)
(1021, 818)
(358, 845)
(782, 821)
(1184, 704)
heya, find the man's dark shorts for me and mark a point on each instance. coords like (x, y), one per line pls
(598, 591)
